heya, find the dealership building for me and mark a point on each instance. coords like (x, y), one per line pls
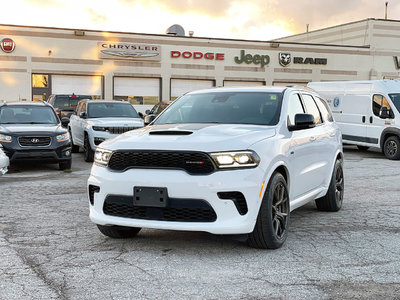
(146, 68)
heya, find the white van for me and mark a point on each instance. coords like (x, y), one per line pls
(367, 112)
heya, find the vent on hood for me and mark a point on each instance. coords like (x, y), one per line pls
(170, 132)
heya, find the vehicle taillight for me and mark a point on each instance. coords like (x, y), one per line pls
(58, 112)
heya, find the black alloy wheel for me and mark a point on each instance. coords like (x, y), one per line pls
(270, 231)
(391, 148)
(333, 200)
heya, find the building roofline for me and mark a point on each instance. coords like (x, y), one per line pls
(197, 37)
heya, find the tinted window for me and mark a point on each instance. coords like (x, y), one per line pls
(312, 108)
(396, 100)
(27, 115)
(225, 107)
(295, 107)
(323, 107)
(111, 110)
(378, 101)
(65, 101)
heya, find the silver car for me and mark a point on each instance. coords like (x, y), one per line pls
(4, 162)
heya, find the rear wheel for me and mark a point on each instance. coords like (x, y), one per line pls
(118, 232)
(272, 223)
(88, 152)
(65, 165)
(391, 147)
(362, 148)
(333, 199)
(75, 148)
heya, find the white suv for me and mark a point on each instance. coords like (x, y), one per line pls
(224, 161)
(95, 121)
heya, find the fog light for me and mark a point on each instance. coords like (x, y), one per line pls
(67, 153)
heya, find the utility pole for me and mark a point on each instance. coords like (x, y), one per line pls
(386, 6)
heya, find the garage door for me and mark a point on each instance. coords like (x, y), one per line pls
(79, 85)
(137, 90)
(242, 83)
(182, 86)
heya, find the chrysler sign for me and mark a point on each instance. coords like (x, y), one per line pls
(129, 51)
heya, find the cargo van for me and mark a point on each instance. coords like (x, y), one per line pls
(367, 112)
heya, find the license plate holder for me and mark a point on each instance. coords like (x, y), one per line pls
(150, 196)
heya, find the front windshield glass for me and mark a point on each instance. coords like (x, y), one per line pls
(111, 110)
(66, 101)
(396, 100)
(260, 108)
(27, 115)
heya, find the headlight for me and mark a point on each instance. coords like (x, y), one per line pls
(5, 138)
(98, 128)
(236, 159)
(63, 137)
(102, 156)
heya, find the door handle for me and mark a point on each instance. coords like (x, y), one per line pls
(332, 134)
(371, 119)
(312, 139)
(363, 119)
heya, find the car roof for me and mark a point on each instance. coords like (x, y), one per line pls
(105, 101)
(266, 89)
(28, 103)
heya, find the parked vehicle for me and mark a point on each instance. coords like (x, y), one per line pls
(367, 112)
(4, 161)
(33, 132)
(151, 114)
(224, 161)
(65, 104)
(95, 121)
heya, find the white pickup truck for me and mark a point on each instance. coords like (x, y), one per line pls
(95, 121)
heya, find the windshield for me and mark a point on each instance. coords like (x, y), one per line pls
(65, 101)
(260, 108)
(396, 100)
(111, 110)
(27, 115)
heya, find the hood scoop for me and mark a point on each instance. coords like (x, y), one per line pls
(170, 132)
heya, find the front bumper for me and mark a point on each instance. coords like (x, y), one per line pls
(54, 153)
(184, 188)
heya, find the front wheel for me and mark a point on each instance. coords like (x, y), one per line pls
(333, 199)
(118, 232)
(391, 148)
(88, 152)
(272, 223)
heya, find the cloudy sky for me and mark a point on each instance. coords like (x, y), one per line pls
(245, 19)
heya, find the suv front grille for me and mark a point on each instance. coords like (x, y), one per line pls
(196, 163)
(119, 130)
(178, 210)
(34, 141)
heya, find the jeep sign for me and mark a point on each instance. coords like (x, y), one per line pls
(256, 59)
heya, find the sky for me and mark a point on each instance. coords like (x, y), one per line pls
(250, 20)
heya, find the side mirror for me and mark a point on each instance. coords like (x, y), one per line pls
(147, 111)
(64, 122)
(303, 121)
(385, 113)
(149, 119)
(140, 115)
(82, 115)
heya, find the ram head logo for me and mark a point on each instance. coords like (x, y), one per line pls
(284, 59)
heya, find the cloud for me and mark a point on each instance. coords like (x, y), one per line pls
(96, 17)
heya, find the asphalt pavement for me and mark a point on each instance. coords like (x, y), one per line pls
(49, 249)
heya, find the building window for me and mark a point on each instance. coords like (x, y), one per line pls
(40, 80)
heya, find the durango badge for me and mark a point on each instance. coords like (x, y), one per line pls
(284, 59)
(7, 45)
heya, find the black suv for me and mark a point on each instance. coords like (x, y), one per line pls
(32, 131)
(65, 104)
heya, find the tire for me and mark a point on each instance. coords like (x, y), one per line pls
(87, 150)
(363, 148)
(391, 147)
(272, 223)
(333, 199)
(118, 232)
(65, 165)
(75, 148)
